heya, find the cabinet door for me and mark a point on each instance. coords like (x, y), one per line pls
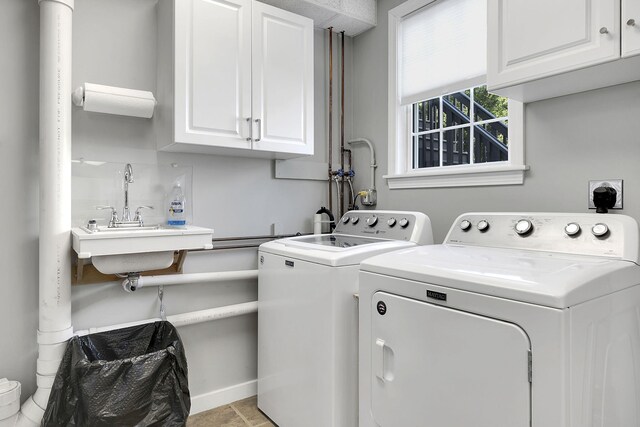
(213, 72)
(282, 81)
(630, 27)
(529, 40)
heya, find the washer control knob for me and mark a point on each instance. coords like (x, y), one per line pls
(345, 219)
(465, 225)
(600, 230)
(404, 222)
(354, 220)
(391, 222)
(523, 227)
(371, 221)
(572, 229)
(483, 225)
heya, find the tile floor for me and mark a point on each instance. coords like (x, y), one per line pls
(237, 414)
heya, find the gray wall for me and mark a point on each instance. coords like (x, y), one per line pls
(115, 44)
(568, 140)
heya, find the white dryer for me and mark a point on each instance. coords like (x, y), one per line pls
(308, 316)
(517, 320)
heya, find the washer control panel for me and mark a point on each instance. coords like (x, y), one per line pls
(396, 225)
(610, 235)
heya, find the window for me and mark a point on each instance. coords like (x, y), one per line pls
(461, 128)
(445, 128)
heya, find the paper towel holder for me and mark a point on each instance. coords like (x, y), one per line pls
(114, 100)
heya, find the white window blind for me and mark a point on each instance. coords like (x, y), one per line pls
(442, 48)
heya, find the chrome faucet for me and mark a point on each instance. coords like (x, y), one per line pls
(125, 221)
(128, 179)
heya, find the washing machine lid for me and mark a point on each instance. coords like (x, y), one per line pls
(333, 249)
(544, 278)
(333, 242)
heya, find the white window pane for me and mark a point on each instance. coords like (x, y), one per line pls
(442, 48)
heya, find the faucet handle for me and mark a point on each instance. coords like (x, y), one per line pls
(114, 214)
(142, 207)
(113, 210)
(138, 216)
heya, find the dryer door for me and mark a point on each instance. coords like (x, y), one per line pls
(436, 366)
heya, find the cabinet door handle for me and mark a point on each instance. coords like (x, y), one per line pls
(604, 30)
(259, 122)
(250, 130)
(631, 22)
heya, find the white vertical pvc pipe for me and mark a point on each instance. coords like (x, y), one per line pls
(55, 166)
(54, 326)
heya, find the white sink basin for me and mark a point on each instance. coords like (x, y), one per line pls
(124, 250)
(132, 263)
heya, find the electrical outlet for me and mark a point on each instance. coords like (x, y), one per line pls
(615, 183)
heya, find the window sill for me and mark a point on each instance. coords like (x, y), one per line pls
(459, 176)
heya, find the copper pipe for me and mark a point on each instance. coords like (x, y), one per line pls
(330, 143)
(342, 153)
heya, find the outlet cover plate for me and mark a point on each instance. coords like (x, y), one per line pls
(615, 183)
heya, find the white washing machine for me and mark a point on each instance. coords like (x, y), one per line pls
(518, 319)
(308, 316)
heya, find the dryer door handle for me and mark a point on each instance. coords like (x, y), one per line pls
(378, 359)
(382, 361)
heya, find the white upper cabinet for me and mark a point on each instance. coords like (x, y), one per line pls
(242, 79)
(630, 28)
(534, 39)
(545, 48)
(213, 72)
(282, 81)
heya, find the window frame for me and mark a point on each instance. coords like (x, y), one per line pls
(400, 158)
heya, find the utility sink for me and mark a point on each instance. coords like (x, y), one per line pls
(124, 250)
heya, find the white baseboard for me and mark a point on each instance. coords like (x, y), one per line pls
(223, 396)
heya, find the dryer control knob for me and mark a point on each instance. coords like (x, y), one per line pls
(404, 222)
(600, 230)
(483, 225)
(391, 222)
(354, 220)
(372, 221)
(345, 219)
(465, 225)
(572, 229)
(523, 227)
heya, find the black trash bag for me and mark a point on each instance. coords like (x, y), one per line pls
(135, 376)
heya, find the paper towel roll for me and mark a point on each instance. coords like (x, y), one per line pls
(115, 100)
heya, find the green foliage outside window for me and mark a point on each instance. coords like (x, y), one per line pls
(497, 105)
